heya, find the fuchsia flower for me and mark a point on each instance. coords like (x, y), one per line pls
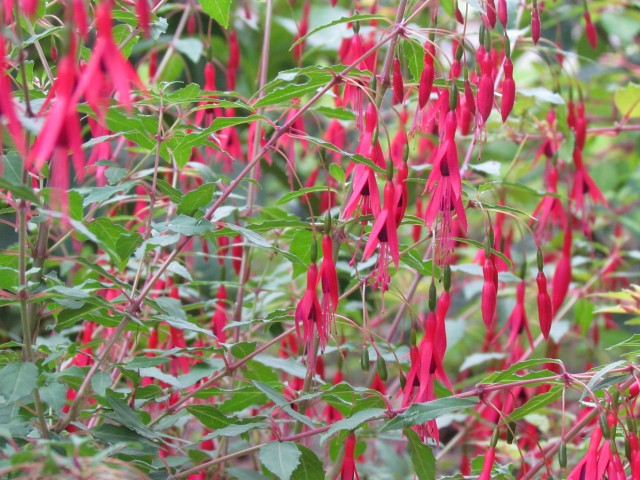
(489, 291)
(517, 322)
(592, 35)
(503, 13)
(309, 313)
(508, 86)
(397, 82)
(584, 185)
(107, 65)
(385, 234)
(428, 74)
(485, 87)
(61, 133)
(219, 318)
(535, 24)
(143, 11)
(446, 186)
(487, 466)
(562, 275)
(303, 29)
(8, 117)
(550, 210)
(330, 293)
(234, 60)
(490, 18)
(348, 470)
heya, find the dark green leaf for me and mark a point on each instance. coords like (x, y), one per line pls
(420, 413)
(196, 199)
(422, 458)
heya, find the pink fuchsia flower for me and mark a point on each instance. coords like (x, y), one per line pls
(309, 313)
(385, 234)
(330, 291)
(107, 64)
(562, 275)
(348, 470)
(446, 186)
(8, 115)
(219, 318)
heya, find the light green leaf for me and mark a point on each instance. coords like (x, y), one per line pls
(18, 381)
(419, 413)
(627, 99)
(218, 10)
(280, 458)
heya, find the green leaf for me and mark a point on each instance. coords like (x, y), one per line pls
(282, 402)
(422, 458)
(280, 458)
(287, 365)
(353, 422)
(190, 47)
(123, 414)
(419, 413)
(210, 416)
(542, 94)
(18, 381)
(414, 53)
(301, 248)
(303, 191)
(359, 18)
(218, 10)
(310, 467)
(627, 99)
(196, 199)
(536, 402)
(509, 375)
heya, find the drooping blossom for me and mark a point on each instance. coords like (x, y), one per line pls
(8, 115)
(445, 186)
(562, 275)
(508, 84)
(550, 210)
(309, 314)
(107, 66)
(384, 234)
(348, 469)
(330, 293)
(219, 318)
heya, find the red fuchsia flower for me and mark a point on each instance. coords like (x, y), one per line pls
(428, 74)
(8, 116)
(550, 210)
(364, 189)
(508, 85)
(517, 322)
(446, 186)
(348, 470)
(107, 65)
(401, 193)
(489, 291)
(61, 132)
(489, 18)
(397, 82)
(535, 23)
(503, 14)
(236, 253)
(583, 185)
(330, 291)
(143, 11)
(545, 309)
(485, 87)
(592, 35)
(234, 60)
(309, 314)
(303, 29)
(205, 116)
(562, 275)
(219, 318)
(385, 234)
(470, 101)
(487, 466)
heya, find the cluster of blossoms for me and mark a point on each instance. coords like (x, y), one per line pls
(438, 114)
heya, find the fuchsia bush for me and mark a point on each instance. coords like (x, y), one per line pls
(307, 239)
